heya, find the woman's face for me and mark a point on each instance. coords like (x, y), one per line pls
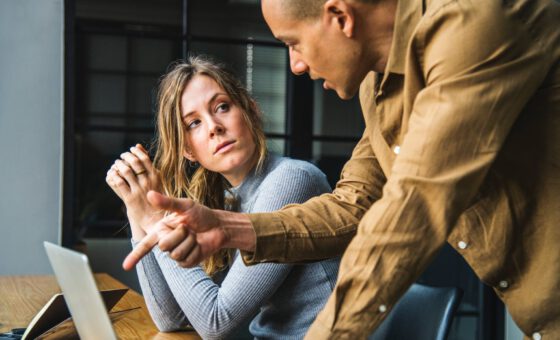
(217, 135)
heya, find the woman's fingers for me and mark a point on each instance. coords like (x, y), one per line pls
(134, 163)
(141, 147)
(142, 156)
(126, 172)
(116, 182)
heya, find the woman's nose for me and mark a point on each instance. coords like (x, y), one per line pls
(215, 127)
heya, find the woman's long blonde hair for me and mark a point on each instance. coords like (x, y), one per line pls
(204, 186)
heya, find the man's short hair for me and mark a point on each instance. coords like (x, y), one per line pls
(303, 9)
(307, 9)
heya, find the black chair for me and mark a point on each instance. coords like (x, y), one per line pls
(423, 313)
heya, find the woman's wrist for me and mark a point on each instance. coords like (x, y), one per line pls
(140, 226)
(137, 232)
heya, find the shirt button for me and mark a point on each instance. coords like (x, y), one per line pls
(462, 245)
(397, 149)
(503, 284)
(537, 336)
(382, 308)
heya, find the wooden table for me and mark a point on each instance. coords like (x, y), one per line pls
(21, 297)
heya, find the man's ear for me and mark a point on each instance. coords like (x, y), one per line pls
(340, 13)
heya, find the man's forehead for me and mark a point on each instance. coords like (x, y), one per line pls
(276, 10)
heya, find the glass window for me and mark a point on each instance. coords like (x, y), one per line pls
(120, 73)
(335, 117)
(151, 55)
(237, 19)
(276, 145)
(105, 52)
(142, 93)
(330, 157)
(268, 85)
(106, 93)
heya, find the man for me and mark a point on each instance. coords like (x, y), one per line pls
(462, 144)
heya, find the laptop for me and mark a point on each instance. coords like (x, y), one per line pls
(83, 299)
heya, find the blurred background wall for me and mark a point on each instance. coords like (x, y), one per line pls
(31, 125)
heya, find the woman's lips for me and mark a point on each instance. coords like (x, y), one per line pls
(224, 147)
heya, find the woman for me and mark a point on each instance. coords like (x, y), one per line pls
(205, 116)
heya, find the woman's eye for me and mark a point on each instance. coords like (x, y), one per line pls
(193, 123)
(223, 107)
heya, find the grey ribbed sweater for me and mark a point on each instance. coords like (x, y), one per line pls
(285, 298)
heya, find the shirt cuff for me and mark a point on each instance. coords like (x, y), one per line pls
(271, 239)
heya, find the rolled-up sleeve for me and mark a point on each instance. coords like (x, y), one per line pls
(323, 226)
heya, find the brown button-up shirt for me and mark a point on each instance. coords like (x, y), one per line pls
(462, 144)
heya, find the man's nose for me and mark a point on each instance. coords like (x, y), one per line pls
(297, 65)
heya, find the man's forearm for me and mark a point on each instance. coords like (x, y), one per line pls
(238, 230)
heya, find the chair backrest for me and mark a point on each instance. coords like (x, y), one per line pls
(423, 313)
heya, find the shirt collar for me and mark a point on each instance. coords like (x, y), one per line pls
(409, 13)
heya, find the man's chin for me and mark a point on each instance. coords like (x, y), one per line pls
(343, 92)
(346, 94)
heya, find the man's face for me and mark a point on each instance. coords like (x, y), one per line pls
(316, 46)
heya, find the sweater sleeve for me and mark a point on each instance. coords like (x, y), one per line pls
(163, 308)
(216, 311)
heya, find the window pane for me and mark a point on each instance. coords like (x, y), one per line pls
(268, 78)
(276, 145)
(152, 55)
(228, 19)
(234, 55)
(106, 52)
(333, 116)
(142, 95)
(106, 93)
(330, 157)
